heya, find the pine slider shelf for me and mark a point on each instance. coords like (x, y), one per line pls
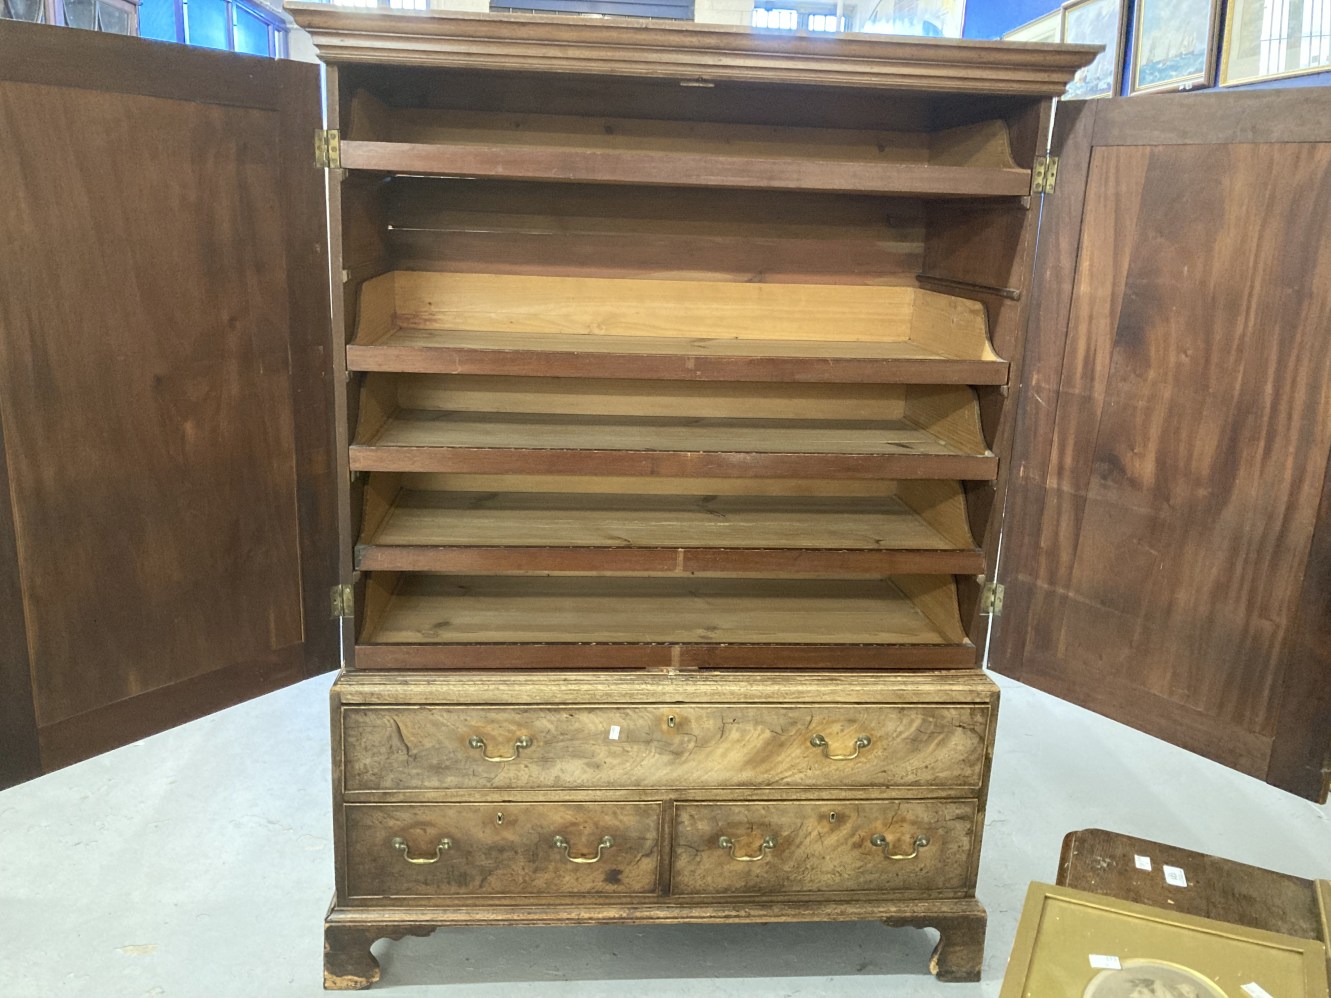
(469, 622)
(566, 426)
(911, 527)
(971, 161)
(670, 329)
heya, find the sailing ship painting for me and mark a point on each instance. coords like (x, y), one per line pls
(1173, 41)
(1094, 22)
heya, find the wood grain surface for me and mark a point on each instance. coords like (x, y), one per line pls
(821, 846)
(541, 443)
(166, 411)
(691, 309)
(583, 230)
(566, 686)
(625, 746)
(591, 356)
(537, 519)
(581, 533)
(502, 851)
(1104, 862)
(674, 169)
(558, 46)
(460, 609)
(1179, 446)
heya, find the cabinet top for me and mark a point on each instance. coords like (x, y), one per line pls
(687, 51)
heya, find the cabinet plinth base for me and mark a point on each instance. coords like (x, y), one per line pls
(960, 951)
(350, 932)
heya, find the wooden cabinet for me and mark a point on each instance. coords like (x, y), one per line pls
(541, 797)
(677, 366)
(677, 396)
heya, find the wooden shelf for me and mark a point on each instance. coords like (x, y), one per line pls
(562, 443)
(451, 351)
(780, 536)
(584, 327)
(970, 161)
(677, 169)
(487, 622)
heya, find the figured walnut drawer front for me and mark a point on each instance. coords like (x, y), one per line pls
(767, 847)
(501, 850)
(681, 745)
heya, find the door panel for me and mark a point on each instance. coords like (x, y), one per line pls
(167, 409)
(1175, 431)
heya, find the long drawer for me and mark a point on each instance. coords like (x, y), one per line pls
(744, 746)
(794, 847)
(506, 850)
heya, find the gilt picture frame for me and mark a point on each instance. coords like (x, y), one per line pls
(1173, 45)
(1274, 39)
(1076, 944)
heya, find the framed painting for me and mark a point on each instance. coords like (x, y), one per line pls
(1075, 944)
(1096, 22)
(925, 18)
(1173, 45)
(1043, 29)
(1268, 39)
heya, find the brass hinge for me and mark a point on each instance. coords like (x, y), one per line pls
(1044, 174)
(327, 149)
(991, 599)
(343, 600)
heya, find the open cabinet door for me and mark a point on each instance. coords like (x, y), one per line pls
(167, 543)
(1167, 553)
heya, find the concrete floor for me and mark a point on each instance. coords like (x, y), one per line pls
(198, 863)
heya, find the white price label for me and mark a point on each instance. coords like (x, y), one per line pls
(1174, 876)
(1143, 862)
(1256, 990)
(1102, 962)
(614, 732)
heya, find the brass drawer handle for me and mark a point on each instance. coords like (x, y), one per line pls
(818, 741)
(400, 844)
(880, 842)
(562, 843)
(726, 842)
(477, 742)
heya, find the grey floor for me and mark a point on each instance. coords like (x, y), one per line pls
(198, 862)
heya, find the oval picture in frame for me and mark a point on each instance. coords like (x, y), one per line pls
(1151, 979)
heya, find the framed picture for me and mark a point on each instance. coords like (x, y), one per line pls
(1096, 22)
(1173, 45)
(1266, 39)
(927, 18)
(1043, 29)
(1078, 945)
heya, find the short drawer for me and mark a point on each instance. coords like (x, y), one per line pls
(503, 850)
(673, 745)
(767, 847)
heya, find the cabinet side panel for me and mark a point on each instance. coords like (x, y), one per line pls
(987, 253)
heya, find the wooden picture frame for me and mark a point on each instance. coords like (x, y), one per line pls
(1048, 28)
(1173, 45)
(1096, 22)
(1081, 945)
(1247, 57)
